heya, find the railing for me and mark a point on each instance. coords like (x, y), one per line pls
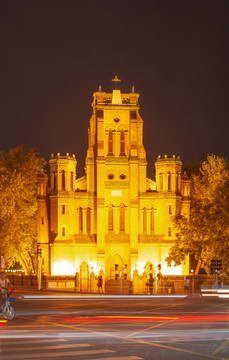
(137, 285)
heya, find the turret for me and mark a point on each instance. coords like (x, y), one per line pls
(42, 184)
(63, 172)
(168, 174)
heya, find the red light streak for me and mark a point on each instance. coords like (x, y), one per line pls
(189, 318)
(3, 322)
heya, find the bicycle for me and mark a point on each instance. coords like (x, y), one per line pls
(7, 310)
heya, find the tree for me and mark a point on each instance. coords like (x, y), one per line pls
(206, 233)
(19, 169)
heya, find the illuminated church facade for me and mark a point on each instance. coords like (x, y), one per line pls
(113, 221)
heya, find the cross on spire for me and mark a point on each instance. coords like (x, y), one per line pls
(116, 80)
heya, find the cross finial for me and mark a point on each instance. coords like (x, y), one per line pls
(115, 80)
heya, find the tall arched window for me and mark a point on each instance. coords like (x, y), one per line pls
(122, 217)
(122, 142)
(63, 179)
(152, 220)
(169, 181)
(110, 142)
(54, 180)
(161, 181)
(169, 231)
(144, 220)
(71, 180)
(80, 219)
(177, 182)
(110, 218)
(88, 220)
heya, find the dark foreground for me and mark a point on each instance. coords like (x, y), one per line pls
(116, 328)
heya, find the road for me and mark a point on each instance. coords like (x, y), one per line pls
(116, 328)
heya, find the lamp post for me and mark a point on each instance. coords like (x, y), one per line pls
(193, 284)
(39, 260)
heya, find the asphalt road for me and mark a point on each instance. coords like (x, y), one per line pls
(116, 328)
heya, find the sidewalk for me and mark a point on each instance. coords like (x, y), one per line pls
(32, 293)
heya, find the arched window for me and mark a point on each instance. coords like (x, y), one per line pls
(80, 219)
(54, 180)
(169, 231)
(144, 220)
(110, 142)
(122, 142)
(122, 217)
(152, 220)
(169, 181)
(88, 220)
(110, 218)
(177, 182)
(161, 181)
(71, 180)
(63, 230)
(63, 179)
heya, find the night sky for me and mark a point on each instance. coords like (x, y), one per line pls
(55, 54)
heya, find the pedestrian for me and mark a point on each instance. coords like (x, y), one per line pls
(131, 288)
(186, 285)
(151, 283)
(100, 284)
(4, 285)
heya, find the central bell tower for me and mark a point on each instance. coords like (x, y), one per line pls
(116, 164)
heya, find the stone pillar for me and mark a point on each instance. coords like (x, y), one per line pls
(92, 282)
(135, 282)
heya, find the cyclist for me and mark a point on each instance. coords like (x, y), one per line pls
(4, 285)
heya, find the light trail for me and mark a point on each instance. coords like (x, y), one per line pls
(79, 297)
(164, 335)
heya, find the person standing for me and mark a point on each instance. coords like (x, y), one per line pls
(100, 283)
(186, 285)
(151, 283)
(4, 285)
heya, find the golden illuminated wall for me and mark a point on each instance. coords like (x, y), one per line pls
(113, 215)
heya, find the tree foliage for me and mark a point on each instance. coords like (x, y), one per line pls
(206, 233)
(18, 191)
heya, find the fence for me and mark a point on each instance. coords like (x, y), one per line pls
(138, 285)
(25, 280)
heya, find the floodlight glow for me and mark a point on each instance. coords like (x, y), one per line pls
(63, 267)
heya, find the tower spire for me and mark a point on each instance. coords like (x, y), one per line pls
(116, 80)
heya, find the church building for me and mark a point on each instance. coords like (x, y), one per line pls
(113, 221)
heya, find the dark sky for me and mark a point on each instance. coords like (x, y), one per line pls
(55, 54)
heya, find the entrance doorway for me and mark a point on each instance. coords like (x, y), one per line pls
(116, 266)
